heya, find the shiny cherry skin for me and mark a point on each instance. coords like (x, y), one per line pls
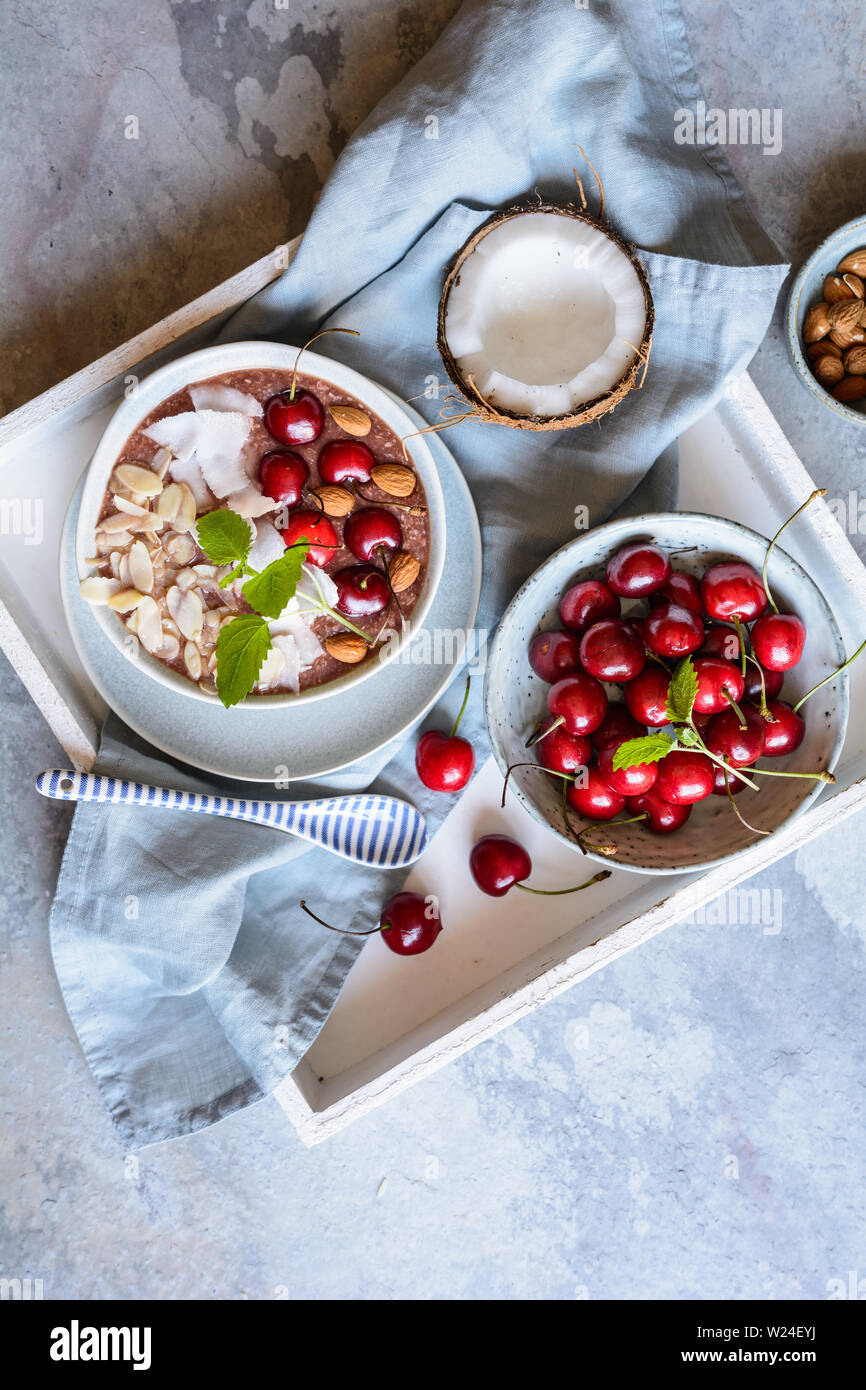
(554, 654)
(733, 589)
(683, 589)
(716, 679)
(283, 476)
(685, 776)
(593, 797)
(295, 421)
(587, 602)
(722, 640)
(410, 923)
(637, 570)
(561, 751)
(444, 763)
(739, 747)
(786, 734)
(345, 461)
(370, 530)
(497, 862)
(646, 697)
(580, 700)
(670, 630)
(318, 531)
(778, 640)
(629, 781)
(362, 590)
(612, 651)
(617, 725)
(773, 682)
(734, 783)
(662, 817)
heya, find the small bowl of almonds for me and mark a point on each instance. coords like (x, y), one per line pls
(826, 322)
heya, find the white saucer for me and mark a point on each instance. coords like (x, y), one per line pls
(310, 740)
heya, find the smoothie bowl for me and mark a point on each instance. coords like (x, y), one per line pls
(244, 483)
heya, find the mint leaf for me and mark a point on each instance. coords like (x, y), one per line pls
(682, 691)
(224, 536)
(241, 648)
(270, 591)
(649, 748)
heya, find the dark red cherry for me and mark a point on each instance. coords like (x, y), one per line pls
(370, 530)
(722, 640)
(318, 531)
(497, 863)
(283, 476)
(629, 781)
(733, 782)
(646, 696)
(716, 680)
(672, 631)
(345, 461)
(662, 817)
(733, 589)
(295, 421)
(587, 602)
(685, 776)
(739, 747)
(593, 797)
(361, 591)
(560, 751)
(580, 700)
(410, 923)
(554, 654)
(683, 589)
(638, 569)
(612, 651)
(617, 725)
(773, 682)
(778, 640)
(444, 762)
(786, 734)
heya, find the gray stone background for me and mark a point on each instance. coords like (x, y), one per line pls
(686, 1124)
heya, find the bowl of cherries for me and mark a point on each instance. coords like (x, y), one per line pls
(666, 691)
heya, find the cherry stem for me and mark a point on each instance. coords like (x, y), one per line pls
(462, 707)
(412, 507)
(832, 676)
(536, 737)
(340, 618)
(738, 813)
(610, 848)
(539, 767)
(763, 708)
(342, 930)
(720, 761)
(355, 334)
(557, 892)
(815, 776)
(819, 492)
(736, 708)
(742, 636)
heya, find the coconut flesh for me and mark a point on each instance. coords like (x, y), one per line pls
(545, 318)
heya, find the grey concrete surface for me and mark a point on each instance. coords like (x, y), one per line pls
(687, 1123)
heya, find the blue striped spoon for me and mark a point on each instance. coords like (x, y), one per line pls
(379, 831)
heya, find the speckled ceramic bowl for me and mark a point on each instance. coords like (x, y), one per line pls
(515, 698)
(807, 290)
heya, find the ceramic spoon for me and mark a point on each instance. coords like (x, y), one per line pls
(379, 831)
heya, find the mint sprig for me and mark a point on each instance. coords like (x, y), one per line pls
(270, 591)
(681, 692)
(241, 649)
(649, 748)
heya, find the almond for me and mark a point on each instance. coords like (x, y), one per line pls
(835, 289)
(403, 571)
(816, 323)
(854, 261)
(138, 479)
(346, 647)
(855, 360)
(336, 501)
(853, 388)
(845, 315)
(351, 419)
(854, 284)
(847, 337)
(823, 348)
(828, 370)
(394, 478)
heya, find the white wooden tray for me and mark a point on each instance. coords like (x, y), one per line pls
(397, 1020)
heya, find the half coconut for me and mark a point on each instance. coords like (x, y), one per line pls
(546, 318)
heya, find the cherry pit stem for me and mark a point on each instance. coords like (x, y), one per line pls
(557, 892)
(354, 332)
(462, 707)
(343, 931)
(832, 676)
(819, 492)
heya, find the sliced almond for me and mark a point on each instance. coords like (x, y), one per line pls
(185, 517)
(117, 521)
(138, 479)
(180, 546)
(346, 647)
(148, 524)
(394, 478)
(336, 501)
(97, 589)
(185, 607)
(405, 568)
(170, 626)
(192, 660)
(125, 600)
(123, 504)
(149, 627)
(132, 622)
(161, 462)
(170, 649)
(116, 559)
(140, 567)
(169, 502)
(205, 571)
(186, 579)
(351, 419)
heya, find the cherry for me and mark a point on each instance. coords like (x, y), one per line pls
(409, 924)
(445, 762)
(717, 679)
(612, 651)
(646, 696)
(617, 725)
(283, 476)
(662, 817)
(638, 569)
(361, 591)
(297, 419)
(372, 529)
(497, 863)
(733, 783)
(629, 781)
(554, 654)
(786, 734)
(740, 747)
(778, 640)
(733, 589)
(722, 640)
(561, 751)
(579, 701)
(671, 630)
(773, 682)
(587, 602)
(318, 531)
(683, 589)
(685, 776)
(594, 797)
(345, 461)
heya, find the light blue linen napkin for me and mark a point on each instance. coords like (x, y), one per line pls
(193, 980)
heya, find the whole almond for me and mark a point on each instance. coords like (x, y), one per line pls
(853, 388)
(855, 360)
(351, 419)
(403, 571)
(336, 501)
(847, 337)
(828, 370)
(816, 324)
(835, 289)
(346, 647)
(845, 315)
(824, 348)
(854, 261)
(854, 284)
(394, 478)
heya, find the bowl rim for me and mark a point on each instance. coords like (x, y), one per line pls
(641, 524)
(255, 354)
(792, 336)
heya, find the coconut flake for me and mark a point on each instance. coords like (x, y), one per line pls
(290, 676)
(216, 438)
(212, 396)
(251, 502)
(187, 471)
(317, 586)
(267, 546)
